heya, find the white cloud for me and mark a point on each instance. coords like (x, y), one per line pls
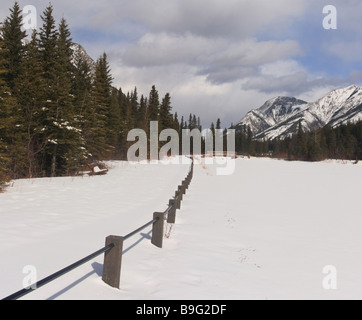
(218, 59)
(347, 51)
(165, 49)
(215, 57)
(281, 68)
(227, 18)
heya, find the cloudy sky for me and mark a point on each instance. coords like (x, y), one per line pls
(218, 58)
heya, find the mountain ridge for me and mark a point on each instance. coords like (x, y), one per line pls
(280, 117)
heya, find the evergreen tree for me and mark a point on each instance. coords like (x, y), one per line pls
(48, 45)
(13, 38)
(134, 106)
(71, 147)
(142, 115)
(31, 86)
(153, 105)
(98, 130)
(190, 126)
(182, 125)
(194, 122)
(176, 124)
(50, 106)
(114, 121)
(4, 157)
(61, 130)
(11, 120)
(218, 124)
(166, 117)
(82, 101)
(125, 123)
(81, 84)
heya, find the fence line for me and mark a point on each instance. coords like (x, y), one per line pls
(114, 245)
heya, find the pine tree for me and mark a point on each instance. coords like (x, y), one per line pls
(4, 157)
(218, 124)
(176, 123)
(31, 86)
(82, 100)
(153, 105)
(134, 106)
(114, 120)
(48, 44)
(190, 126)
(82, 83)
(13, 38)
(49, 105)
(142, 114)
(166, 117)
(60, 128)
(101, 99)
(71, 150)
(11, 120)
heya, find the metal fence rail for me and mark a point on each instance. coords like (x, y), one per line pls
(58, 274)
(114, 245)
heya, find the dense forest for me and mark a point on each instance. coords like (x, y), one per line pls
(58, 112)
(342, 142)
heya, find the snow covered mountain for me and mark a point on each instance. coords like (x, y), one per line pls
(273, 112)
(280, 117)
(79, 53)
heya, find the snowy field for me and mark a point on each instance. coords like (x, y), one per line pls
(265, 232)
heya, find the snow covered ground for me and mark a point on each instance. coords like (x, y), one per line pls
(265, 232)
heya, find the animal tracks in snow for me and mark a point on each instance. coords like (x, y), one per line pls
(245, 255)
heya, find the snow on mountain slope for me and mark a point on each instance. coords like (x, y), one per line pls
(271, 113)
(337, 107)
(80, 54)
(336, 104)
(226, 243)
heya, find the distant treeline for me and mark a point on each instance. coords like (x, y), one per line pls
(342, 142)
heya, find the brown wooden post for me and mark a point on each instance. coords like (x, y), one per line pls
(157, 230)
(178, 200)
(184, 186)
(113, 262)
(171, 218)
(181, 192)
(188, 181)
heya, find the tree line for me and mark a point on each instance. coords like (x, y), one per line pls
(59, 112)
(342, 142)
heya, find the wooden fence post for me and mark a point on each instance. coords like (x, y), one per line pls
(178, 200)
(181, 192)
(171, 218)
(113, 262)
(184, 186)
(157, 230)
